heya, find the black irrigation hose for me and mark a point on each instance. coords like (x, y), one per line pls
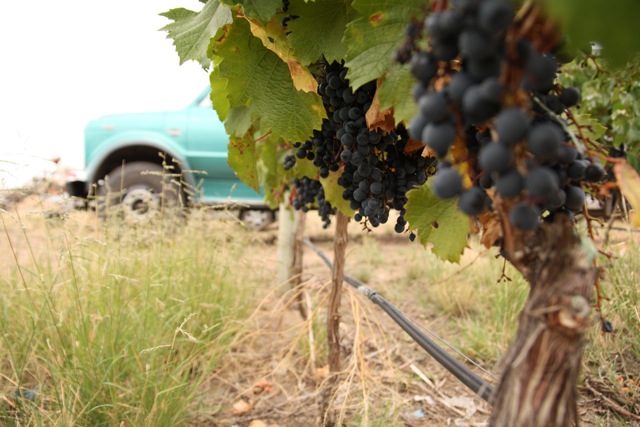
(451, 364)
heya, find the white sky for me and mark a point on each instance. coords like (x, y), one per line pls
(67, 62)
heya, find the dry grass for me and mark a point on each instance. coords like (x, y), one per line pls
(178, 323)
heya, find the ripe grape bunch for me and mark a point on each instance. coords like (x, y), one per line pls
(308, 193)
(489, 105)
(374, 170)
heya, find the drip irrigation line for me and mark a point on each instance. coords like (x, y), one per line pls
(451, 364)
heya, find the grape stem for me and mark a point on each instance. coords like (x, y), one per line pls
(503, 276)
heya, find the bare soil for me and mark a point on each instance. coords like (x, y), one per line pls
(271, 378)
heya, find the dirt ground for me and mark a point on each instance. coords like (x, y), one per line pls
(273, 379)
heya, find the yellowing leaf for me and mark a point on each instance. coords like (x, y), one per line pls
(273, 38)
(333, 193)
(242, 159)
(629, 183)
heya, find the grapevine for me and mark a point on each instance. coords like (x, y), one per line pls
(450, 113)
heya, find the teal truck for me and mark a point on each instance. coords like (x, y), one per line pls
(142, 161)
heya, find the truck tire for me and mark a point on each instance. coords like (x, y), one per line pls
(138, 191)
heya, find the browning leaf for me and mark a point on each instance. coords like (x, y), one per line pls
(273, 38)
(629, 183)
(491, 229)
(377, 119)
(413, 146)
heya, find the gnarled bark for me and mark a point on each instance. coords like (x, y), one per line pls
(538, 385)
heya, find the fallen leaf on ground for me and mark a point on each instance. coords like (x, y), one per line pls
(260, 423)
(322, 373)
(241, 407)
(261, 386)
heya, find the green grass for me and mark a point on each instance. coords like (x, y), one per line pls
(118, 325)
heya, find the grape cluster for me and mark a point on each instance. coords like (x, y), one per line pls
(511, 127)
(375, 171)
(309, 193)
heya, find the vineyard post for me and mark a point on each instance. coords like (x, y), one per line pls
(291, 228)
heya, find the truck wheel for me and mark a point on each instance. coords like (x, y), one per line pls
(139, 191)
(257, 219)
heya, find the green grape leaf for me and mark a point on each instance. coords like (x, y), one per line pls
(395, 91)
(243, 160)
(218, 94)
(612, 24)
(373, 38)
(438, 222)
(258, 78)
(178, 14)
(319, 29)
(333, 193)
(304, 167)
(270, 171)
(191, 32)
(263, 10)
(590, 127)
(238, 121)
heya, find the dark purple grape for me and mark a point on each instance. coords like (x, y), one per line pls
(577, 169)
(544, 140)
(433, 107)
(495, 157)
(423, 66)
(445, 49)
(495, 16)
(511, 125)
(568, 154)
(540, 72)
(476, 108)
(418, 90)
(575, 198)
(570, 96)
(594, 172)
(451, 23)
(491, 90)
(541, 182)
(359, 195)
(439, 137)
(555, 200)
(458, 85)
(416, 126)
(301, 153)
(510, 184)
(447, 183)
(480, 70)
(476, 45)
(376, 188)
(471, 201)
(524, 216)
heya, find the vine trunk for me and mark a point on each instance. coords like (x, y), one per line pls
(333, 313)
(538, 383)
